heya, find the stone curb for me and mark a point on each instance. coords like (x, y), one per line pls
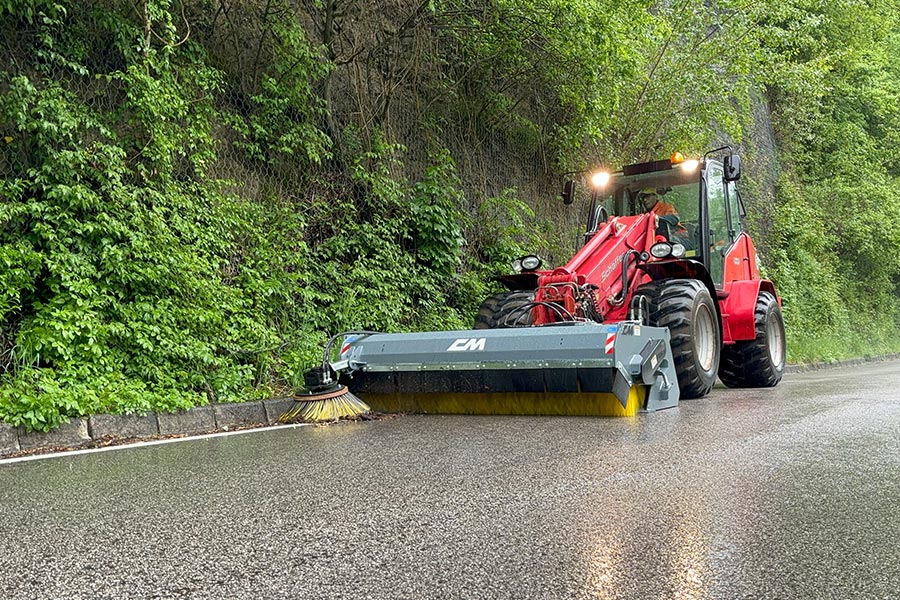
(68, 434)
(200, 419)
(9, 439)
(100, 426)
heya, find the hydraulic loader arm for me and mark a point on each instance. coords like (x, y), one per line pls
(597, 281)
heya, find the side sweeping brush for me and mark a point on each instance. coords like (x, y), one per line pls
(324, 398)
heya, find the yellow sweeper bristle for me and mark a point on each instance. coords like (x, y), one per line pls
(345, 405)
(512, 403)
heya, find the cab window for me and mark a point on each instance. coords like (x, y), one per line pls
(735, 210)
(719, 234)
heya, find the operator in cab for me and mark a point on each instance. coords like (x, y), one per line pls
(650, 199)
(666, 215)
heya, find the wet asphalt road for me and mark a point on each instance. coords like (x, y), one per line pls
(785, 493)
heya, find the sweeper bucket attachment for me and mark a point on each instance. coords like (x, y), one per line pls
(581, 368)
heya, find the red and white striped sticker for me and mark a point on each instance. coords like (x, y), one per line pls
(348, 341)
(610, 342)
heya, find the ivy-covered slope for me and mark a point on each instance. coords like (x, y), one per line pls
(195, 194)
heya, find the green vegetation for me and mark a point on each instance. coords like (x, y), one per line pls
(195, 195)
(835, 234)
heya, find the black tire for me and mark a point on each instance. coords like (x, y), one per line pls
(505, 310)
(686, 308)
(760, 362)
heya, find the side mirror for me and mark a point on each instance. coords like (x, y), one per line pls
(568, 193)
(732, 167)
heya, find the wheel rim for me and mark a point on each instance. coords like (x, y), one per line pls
(704, 339)
(775, 336)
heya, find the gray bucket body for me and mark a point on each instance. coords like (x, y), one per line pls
(572, 357)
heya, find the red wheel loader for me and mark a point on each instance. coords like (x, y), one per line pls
(663, 296)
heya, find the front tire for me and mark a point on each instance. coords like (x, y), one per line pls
(760, 362)
(685, 307)
(505, 310)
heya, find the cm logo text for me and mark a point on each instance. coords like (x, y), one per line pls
(467, 344)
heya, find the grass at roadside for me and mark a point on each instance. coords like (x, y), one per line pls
(827, 347)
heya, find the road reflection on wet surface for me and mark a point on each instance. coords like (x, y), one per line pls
(783, 493)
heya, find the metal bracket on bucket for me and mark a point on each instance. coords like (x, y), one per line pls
(650, 364)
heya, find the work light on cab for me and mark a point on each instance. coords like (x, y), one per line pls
(600, 179)
(689, 166)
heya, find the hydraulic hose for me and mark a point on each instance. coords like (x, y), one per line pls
(619, 299)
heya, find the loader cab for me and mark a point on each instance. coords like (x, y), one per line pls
(702, 193)
(676, 189)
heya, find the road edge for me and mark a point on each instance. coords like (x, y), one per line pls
(837, 364)
(108, 430)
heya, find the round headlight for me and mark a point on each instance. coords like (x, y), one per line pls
(678, 250)
(517, 265)
(661, 249)
(530, 263)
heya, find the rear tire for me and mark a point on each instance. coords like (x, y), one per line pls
(505, 310)
(760, 362)
(686, 308)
